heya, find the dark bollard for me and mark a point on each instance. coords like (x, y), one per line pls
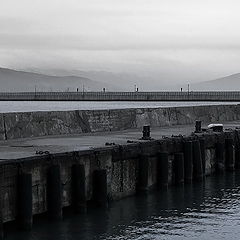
(162, 170)
(54, 193)
(220, 166)
(197, 161)
(198, 126)
(25, 201)
(146, 133)
(202, 146)
(229, 154)
(143, 173)
(100, 188)
(79, 201)
(188, 162)
(237, 157)
(179, 168)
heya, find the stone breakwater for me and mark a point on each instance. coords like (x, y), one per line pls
(82, 179)
(35, 124)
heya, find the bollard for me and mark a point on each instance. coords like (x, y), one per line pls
(54, 192)
(143, 173)
(220, 156)
(229, 154)
(202, 146)
(198, 126)
(146, 132)
(197, 161)
(25, 201)
(100, 188)
(237, 156)
(188, 162)
(79, 201)
(179, 168)
(162, 170)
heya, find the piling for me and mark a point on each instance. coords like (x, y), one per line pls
(179, 168)
(100, 188)
(229, 154)
(54, 192)
(143, 173)
(220, 165)
(162, 170)
(202, 146)
(188, 161)
(198, 126)
(197, 161)
(79, 201)
(25, 218)
(237, 157)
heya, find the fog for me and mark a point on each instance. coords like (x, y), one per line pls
(167, 41)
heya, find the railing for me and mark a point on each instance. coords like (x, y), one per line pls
(120, 96)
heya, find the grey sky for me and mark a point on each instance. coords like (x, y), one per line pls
(194, 39)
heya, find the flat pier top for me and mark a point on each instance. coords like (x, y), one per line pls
(27, 147)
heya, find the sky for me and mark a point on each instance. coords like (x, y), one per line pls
(169, 40)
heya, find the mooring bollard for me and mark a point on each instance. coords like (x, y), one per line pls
(54, 192)
(143, 173)
(179, 168)
(79, 202)
(197, 161)
(146, 132)
(100, 188)
(220, 156)
(188, 161)
(230, 157)
(162, 170)
(198, 126)
(25, 201)
(237, 156)
(202, 146)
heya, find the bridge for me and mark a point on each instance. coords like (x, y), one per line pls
(226, 96)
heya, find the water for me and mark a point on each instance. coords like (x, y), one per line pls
(209, 210)
(28, 106)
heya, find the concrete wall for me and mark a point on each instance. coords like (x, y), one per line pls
(34, 124)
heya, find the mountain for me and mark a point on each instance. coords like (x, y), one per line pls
(16, 81)
(228, 83)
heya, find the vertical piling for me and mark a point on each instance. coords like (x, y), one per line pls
(162, 170)
(188, 161)
(54, 192)
(198, 126)
(229, 154)
(220, 166)
(25, 201)
(79, 188)
(143, 173)
(179, 168)
(100, 188)
(197, 161)
(202, 146)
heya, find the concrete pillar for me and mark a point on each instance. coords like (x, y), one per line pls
(54, 192)
(179, 168)
(197, 161)
(79, 202)
(162, 170)
(220, 165)
(143, 173)
(202, 146)
(188, 161)
(100, 188)
(25, 201)
(229, 154)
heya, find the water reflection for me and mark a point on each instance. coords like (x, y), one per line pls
(208, 210)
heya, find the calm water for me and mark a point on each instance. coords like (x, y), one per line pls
(27, 106)
(203, 211)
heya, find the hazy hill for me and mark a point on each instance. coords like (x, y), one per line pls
(11, 80)
(228, 83)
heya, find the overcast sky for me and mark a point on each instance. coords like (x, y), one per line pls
(183, 38)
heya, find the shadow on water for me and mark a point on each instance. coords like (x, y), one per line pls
(207, 210)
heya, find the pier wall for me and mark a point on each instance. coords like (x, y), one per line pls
(35, 124)
(128, 169)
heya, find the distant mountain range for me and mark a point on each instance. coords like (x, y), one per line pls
(15, 81)
(61, 80)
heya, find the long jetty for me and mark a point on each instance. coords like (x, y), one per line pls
(121, 96)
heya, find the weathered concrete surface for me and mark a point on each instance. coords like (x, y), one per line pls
(35, 124)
